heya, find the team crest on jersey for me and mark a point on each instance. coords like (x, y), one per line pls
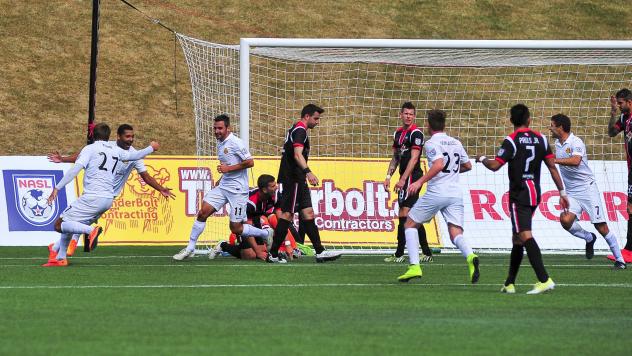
(501, 151)
(418, 141)
(568, 150)
(225, 151)
(26, 195)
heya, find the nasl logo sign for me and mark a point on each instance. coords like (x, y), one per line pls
(26, 194)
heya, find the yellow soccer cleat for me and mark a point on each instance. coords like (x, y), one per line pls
(540, 287)
(509, 289)
(472, 266)
(72, 246)
(414, 271)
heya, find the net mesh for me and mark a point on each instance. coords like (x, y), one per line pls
(363, 89)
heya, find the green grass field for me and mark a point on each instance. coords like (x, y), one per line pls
(135, 300)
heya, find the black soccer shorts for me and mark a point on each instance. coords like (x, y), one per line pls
(294, 196)
(629, 185)
(521, 216)
(406, 200)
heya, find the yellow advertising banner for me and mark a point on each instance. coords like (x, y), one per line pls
(351, 205)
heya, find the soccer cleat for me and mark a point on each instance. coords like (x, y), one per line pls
(184, 254)
(93, 238)
(214, 251)
(619, 265)
(541, 287)
(71, 248)
(395, 259)
(472, 266)
(414, 271)
(56, 263)
(590, 247)
(52, 254)
(425, 258)
(327, 256)
(509, 289)
(271, 259)
(296, 253)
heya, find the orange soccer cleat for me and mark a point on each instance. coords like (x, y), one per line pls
(56, 263)
(71, 248)
(93, 238)
(52, 254)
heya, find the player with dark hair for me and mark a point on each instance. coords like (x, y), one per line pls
(622, 102)
(525, 150)
(99, 160)
(293, 173)
(580, 184)
(408, 141)
(235, 159)
(447, 159)
(124, 140)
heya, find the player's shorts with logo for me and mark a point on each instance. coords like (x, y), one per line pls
(294, 196)
(430, 204)
(404, 199)
(521, 216)
(589, 202)
(218, 197)
(86, 209)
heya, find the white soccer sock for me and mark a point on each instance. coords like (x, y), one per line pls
(64, 241)
(75, 227)
(578, 231)
(459, 242)
(196, 231)
(250, 230)
(76, 237)
(611, 239)
(412, 245)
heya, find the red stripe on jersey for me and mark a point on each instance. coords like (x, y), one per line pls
(298, 145)
(415, 148)
(533, 193)
(301, 124)
(500, 160)
(549, 156)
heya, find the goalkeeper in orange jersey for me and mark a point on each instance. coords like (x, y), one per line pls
(261, 213)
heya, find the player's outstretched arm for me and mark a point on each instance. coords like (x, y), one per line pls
(135, 156)
(465, 167)
(491, 164)
(166, 192)
(68, 177)
(555, 174)
(571, 161)
(55, 157)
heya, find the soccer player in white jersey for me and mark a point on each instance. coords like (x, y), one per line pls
(235, 159)
(99, 160)
(581, 187)
(447, 158)
(124, 140)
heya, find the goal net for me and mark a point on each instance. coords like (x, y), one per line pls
(362, 87)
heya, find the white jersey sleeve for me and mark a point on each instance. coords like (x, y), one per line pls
(232, 151)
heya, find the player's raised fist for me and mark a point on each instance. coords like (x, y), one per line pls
(155, 145)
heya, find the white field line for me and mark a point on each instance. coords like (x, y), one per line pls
(301, 265)
(314, 285)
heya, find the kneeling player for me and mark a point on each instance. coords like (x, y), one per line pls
(242, 249)
(583, 194)
(447, 158)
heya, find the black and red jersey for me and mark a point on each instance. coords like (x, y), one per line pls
(289, 170)
(404, 141)
(258, 207)
(625, 124)
(524, 150)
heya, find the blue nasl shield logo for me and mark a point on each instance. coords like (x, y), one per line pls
(27, 192)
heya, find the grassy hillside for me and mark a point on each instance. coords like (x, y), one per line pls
(44, 61)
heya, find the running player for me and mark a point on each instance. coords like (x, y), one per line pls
(583, 194)
(525, 150)
(447, 159)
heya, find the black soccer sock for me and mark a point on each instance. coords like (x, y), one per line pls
(279, 236)
(515, 259)
(535, 258)
(301, 231)
(234, 250)
(294, 233)
(314, 236)
(628, 243)
(401, 238)
(423, 242)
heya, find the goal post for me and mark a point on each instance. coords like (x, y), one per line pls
(361, 83)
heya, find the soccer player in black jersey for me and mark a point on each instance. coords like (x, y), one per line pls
(407, 143)
(293, 173)
(623, 123)
(525, 150)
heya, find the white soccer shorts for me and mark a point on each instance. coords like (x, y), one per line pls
(589, 202)
(430, 204)
(86, 209)
(218, 197)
